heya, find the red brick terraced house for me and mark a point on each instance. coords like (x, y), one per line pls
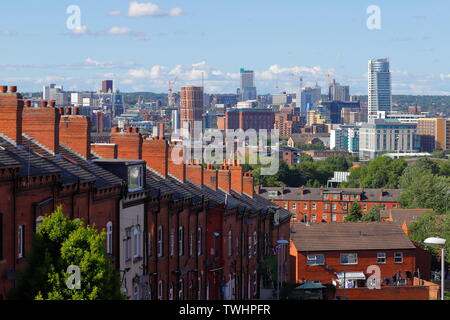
(341, 254)
(317, 205)
(199, 233)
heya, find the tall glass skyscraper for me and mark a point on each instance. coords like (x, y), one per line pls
(380, 92)
(248, 89)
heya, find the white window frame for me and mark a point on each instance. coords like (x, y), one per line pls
(199, 242)
(160, 289)
(312, 260)
(255, 243)
(314, 206)
(137, 241)
(250, 252)
(381, 258)
(21, 241)
(181, 241)
(305, 206)
(181, 290)
(334, 217)
(38, 222)
(396, 255)
(314, 217)
(109, 237)
(294, 206)
(333, 206)
(160, 240)
(349, 263)
(172, 243)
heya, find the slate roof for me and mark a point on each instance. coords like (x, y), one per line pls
(349, 237)
(188, 189)
(407, 216)
(311, 194)
(36, 161)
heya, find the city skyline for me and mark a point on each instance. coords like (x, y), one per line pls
(174, 39)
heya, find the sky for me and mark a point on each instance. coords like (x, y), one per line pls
(143, 45)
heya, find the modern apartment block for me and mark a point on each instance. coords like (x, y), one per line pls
(380, 135)
(433, 134)
(191, 108)
(245, 119)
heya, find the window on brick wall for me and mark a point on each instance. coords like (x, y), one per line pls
(250, 247)
(160, 242)
(334, 217)
(294, 206)
(314, 206)
(137, 241)
(305, 206)
(21, 241)
(181, 241)
(255, 244)
(349, 258)
(109, 237)
(315, 260)
(398, 257)
(160, 290)
(199, 241)
(381, 258)
(38, 222)
(172, 243)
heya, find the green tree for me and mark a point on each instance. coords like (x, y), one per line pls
(432, 225)
(373, 215)
(423, 189)
(355, 214)
(383, 172)
(58, 244)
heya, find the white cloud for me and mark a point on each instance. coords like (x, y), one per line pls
(81, 30)
(7, 33)
(115, 31)
(142, 9)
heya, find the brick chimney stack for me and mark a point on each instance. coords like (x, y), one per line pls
(11, 108)
(75, 133)
(194, 172)
(210, 176)
(248, 185)
(129, 143)
(237, 181)
(156, 153)
(42, 124)
(224, 178)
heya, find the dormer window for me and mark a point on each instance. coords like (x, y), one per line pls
(135, 178)
(273, 194)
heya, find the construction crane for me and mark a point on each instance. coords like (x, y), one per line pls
(171, 97)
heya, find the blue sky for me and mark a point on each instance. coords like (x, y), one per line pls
(142, 48)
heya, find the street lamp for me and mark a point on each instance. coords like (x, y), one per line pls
(441, 243)
(281, 244)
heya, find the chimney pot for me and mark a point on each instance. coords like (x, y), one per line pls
(136, 130)
(61, 111)
(52, 103)
(130, 129)
(69, 111)
(3, 89)
(13, 89)
(76, 111)
(44, 104)
(116, 129)
(28, 103)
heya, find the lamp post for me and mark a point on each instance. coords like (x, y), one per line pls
(441, 243)
(281, 244)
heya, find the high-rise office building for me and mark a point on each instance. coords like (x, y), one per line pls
(310, 97)
(191, 108)
(107, 86)
(380, 90)
(247, 90)
(336, 92)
